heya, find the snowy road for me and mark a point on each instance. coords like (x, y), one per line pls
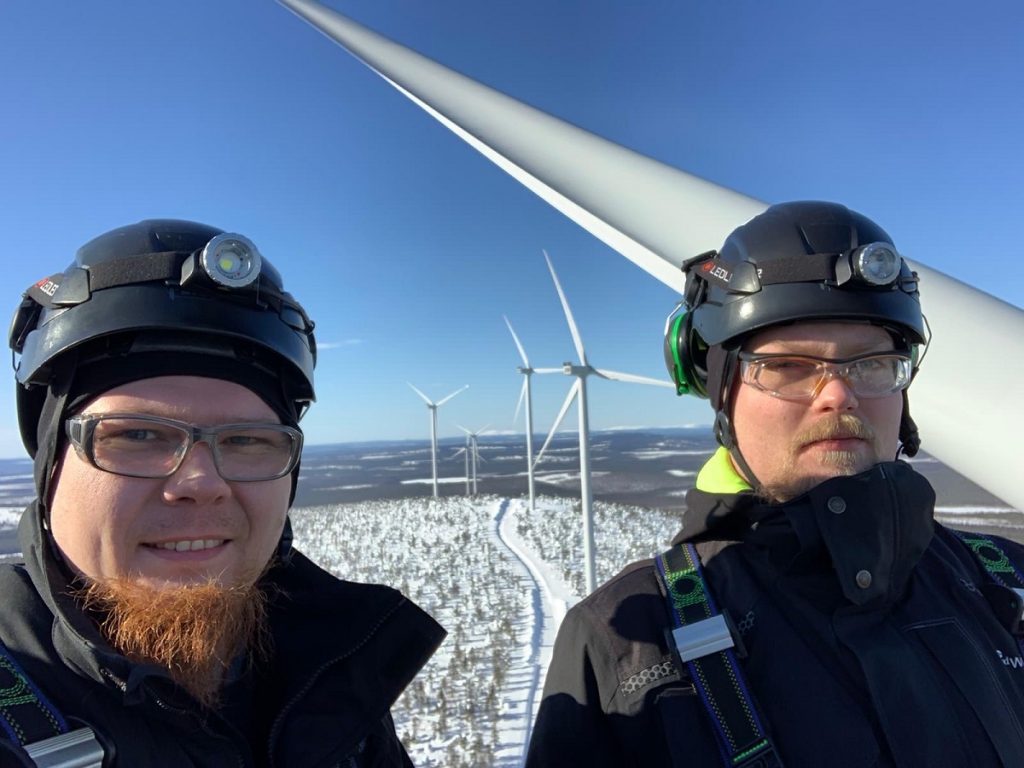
(548, 603)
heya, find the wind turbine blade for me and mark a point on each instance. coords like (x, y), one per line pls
(576, 340)
(425, 398)
(458, 452)
(604, 373)
(548, 370)
(519, 346)
(658, 216)
(522, 397)
(653, 214)
(573, 390)
(453, 394)
(464, 429)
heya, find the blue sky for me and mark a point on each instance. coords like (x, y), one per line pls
(407, 247)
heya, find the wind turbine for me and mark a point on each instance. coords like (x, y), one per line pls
(525, 396)
(433, 426)
(472, 449)
(578, 391)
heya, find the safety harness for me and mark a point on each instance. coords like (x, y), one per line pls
(704, 642)
(1003, 573)
(29, 719)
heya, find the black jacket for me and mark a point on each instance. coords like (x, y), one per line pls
(341, 654)
(915, 670)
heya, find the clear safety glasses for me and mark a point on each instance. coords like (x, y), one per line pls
(796, 377)
(151, 446)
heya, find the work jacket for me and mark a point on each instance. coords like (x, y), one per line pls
(340, 655)
(868, 635)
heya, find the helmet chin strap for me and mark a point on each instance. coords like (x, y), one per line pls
(910, 439)
(724, 432)
(727, 439)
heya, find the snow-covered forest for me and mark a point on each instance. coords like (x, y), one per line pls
(462, 560)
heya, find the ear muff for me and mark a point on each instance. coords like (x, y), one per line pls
(686, 356)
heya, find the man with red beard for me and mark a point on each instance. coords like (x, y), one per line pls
(161, 616)
(810, 612)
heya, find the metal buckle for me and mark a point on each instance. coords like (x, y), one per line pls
(702, 638)
(75, 749)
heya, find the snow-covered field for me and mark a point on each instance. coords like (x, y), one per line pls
(499, 578)
(9, 517)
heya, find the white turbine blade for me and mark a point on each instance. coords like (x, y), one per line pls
(453, 394)
(658, 216)
(519, 346)
(458, 452)
(522, 398)
(425, 398)
(576, 340)
(604, 373)
(464, 429)
(548, 370)
(573, 390)
(653, 214)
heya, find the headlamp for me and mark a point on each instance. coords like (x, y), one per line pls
(876, 263)
(231, 260)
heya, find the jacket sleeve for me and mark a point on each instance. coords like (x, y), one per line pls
(573, 728)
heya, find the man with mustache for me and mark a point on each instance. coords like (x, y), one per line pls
(161, 616)
(810, 612)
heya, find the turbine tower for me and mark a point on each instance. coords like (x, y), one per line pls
(472, 450)
(525, 396)
(433, 426)
(578, 391)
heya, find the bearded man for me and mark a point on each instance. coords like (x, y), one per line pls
(811, 612)
(161, 616)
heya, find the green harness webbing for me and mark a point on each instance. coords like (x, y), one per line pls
(1001, 570)
(33, 723)
(703, 642)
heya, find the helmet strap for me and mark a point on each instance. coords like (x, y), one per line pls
(721, 397)
(910, 439)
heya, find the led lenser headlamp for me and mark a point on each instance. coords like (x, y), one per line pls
(231, 260)
(876, 263)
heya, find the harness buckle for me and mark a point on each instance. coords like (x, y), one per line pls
(702, 638)
(74, 749)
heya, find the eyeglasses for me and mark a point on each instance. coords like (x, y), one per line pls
(154, 447)
(797, 377)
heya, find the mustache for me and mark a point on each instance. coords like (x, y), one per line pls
(837, 427)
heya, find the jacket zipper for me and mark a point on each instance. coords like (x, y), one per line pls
(123, 687)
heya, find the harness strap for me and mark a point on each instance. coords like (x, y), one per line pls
(704, 643)
(1002, 571)
(25, 713)
(33, 723)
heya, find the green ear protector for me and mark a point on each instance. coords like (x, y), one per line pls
(685, 355)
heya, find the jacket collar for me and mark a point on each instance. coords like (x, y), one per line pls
(869, 529)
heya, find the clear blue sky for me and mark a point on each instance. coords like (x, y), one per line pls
(407, 247)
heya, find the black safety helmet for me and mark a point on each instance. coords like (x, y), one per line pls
(795, 262)
(161, 297)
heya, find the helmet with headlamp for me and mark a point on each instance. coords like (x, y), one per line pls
(800, 261)
(161, 290)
